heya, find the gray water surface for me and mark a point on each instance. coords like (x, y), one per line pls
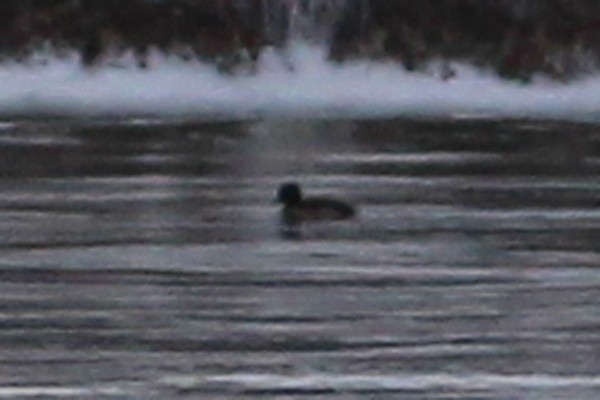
(147, 260)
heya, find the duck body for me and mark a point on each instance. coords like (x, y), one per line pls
(296, 208)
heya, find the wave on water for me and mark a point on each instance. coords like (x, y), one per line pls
(296, 82)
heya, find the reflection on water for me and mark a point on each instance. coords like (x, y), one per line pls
(147, 260)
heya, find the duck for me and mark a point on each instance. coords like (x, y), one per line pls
(297, 208)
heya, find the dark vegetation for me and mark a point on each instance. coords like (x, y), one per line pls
(517, 38)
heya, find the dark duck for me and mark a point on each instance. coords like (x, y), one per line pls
(297, 208)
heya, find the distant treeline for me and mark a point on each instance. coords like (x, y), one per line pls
(517, 38)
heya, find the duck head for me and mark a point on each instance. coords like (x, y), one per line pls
(289, 194)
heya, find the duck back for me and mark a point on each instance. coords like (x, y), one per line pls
(318, 208)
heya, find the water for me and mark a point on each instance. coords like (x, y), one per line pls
(145, 259)
(312, 20)
(296, 82)
(142, 255)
